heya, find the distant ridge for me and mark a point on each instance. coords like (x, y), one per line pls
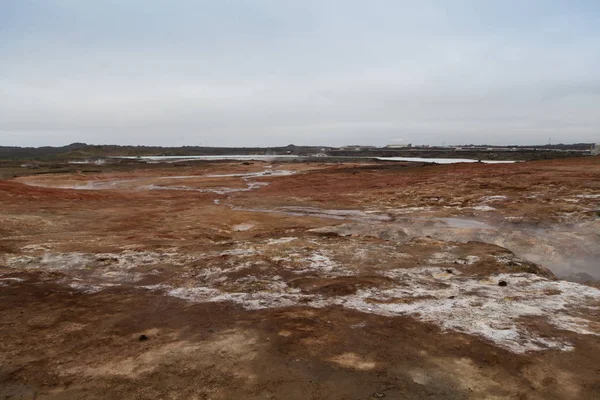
(80, 151)
(83, 150)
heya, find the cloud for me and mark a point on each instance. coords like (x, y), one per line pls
(314, 72)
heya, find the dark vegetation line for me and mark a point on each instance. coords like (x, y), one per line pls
(76, 151)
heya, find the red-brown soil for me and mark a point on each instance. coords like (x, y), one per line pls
(346, 281)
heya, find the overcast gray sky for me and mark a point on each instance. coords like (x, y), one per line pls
(313, 72)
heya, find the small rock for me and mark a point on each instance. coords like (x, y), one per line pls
(451, 297)
(449, 271)
(143, 338)
(502, 283)
(379, 395)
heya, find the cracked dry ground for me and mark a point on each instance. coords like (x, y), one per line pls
(302, 281)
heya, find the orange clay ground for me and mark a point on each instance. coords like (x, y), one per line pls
(289, 280)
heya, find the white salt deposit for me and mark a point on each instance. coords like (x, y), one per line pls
(483, 208)
(242, 227)
(463, 304)
(451, 300)
(320, 262)
(34, 247)
(441, 258)
(493, 198)
(112, 266)
(448, 258)
(142, 183)
(85, 287)
(12, 279)
(282, 240)
(493, 312)
(239, 252)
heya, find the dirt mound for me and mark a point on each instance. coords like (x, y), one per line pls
(339, 286)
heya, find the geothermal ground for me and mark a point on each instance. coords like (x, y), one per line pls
(290, 280)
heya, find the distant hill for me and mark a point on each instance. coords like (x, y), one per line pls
(38, 152)
(82, 151)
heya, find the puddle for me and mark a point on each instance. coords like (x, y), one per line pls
(465, 223)
(443, 160)
(242, 227)
(355, 215)
(209, 158)
(89, 162)
(269, 172)
(88, 185)
(139, 184)
(219, 190)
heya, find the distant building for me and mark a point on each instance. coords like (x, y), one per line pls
(398, 146)
(472, 148)
(596, 150)
(357, 148)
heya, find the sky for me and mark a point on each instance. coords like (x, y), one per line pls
(310, 72)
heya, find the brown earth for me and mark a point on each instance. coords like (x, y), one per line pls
(346, 281)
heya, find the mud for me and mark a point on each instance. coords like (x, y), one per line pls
(307, 280)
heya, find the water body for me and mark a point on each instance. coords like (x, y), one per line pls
(443, 160)
(221, 157)
(465, 223)
(275, 157)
